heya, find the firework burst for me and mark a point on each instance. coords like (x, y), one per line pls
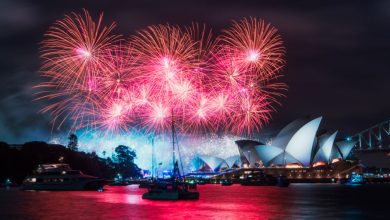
(72, 58)
(169, 63)
(255, 46)
(73, 49)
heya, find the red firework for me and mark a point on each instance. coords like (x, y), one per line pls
(164, 73)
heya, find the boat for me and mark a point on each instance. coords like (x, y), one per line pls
(60, 177)
(171, 191)
(353, 179)
(118, 181)
(174, 188)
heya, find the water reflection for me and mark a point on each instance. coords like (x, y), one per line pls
(299, 201)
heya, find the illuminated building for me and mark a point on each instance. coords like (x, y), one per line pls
(298, 152)
(295, 145)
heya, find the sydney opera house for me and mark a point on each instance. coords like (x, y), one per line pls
(297, 151)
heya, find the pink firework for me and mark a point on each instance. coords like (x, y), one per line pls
(72, 57)
(116, 90)
(116, 76)
(254, 45)
(73, 49)
(246, 64)
(164, 73)
(169, 65)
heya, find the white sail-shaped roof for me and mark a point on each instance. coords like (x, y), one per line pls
(247, 151)
(318, 153)
(215, 163)
(335, 153)
(301, 144)
(233, 161)
(244, 144)
(345, 147)
(283, 159)
(197, 164)
(325, 149)
(267, 153)
(283, 137)
(320, 156)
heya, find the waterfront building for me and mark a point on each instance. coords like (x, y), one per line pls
(296, 145)
(298, 151)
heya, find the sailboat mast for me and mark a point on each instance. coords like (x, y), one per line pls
(173, 139)
(153, 158)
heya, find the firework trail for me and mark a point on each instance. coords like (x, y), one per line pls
(162, 73)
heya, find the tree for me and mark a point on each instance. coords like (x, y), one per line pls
(124, 161)
(73, 142)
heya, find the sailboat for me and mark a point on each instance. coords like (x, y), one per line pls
(176, 187)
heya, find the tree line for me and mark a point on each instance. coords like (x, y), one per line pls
(17, 163)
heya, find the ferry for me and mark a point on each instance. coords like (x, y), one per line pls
(60, 177)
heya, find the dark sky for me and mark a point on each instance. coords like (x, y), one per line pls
(338, 54)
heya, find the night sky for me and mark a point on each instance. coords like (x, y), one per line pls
(338, 54)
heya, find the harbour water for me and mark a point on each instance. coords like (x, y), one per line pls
(298, 201)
